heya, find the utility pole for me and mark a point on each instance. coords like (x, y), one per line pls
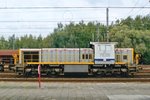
(97, 32)
(107, 24)
(13, 41)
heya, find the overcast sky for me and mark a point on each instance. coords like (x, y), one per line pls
(43, 21)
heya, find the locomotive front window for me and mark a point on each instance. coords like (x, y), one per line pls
(108, 48)
(105, 47)
(102, 47)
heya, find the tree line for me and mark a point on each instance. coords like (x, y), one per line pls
(129, 33)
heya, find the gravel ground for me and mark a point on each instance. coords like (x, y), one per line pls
(74, 91)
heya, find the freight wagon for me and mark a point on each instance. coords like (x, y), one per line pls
(8, 59)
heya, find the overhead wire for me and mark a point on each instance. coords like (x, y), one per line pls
(51, 21)
(133, 8)
(79, 7)
(139, 9)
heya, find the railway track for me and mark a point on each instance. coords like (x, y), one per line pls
(16, 78)
(77, 79)
(14, 75)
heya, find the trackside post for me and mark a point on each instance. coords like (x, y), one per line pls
(39, 75)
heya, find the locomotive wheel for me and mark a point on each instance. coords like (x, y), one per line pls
(34, 74)
(124, 74)
(27, 74)
(52, 74)
(98, 74)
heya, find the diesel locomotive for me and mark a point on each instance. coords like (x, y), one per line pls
(102, 58)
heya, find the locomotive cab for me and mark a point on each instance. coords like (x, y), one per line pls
(104, 52)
